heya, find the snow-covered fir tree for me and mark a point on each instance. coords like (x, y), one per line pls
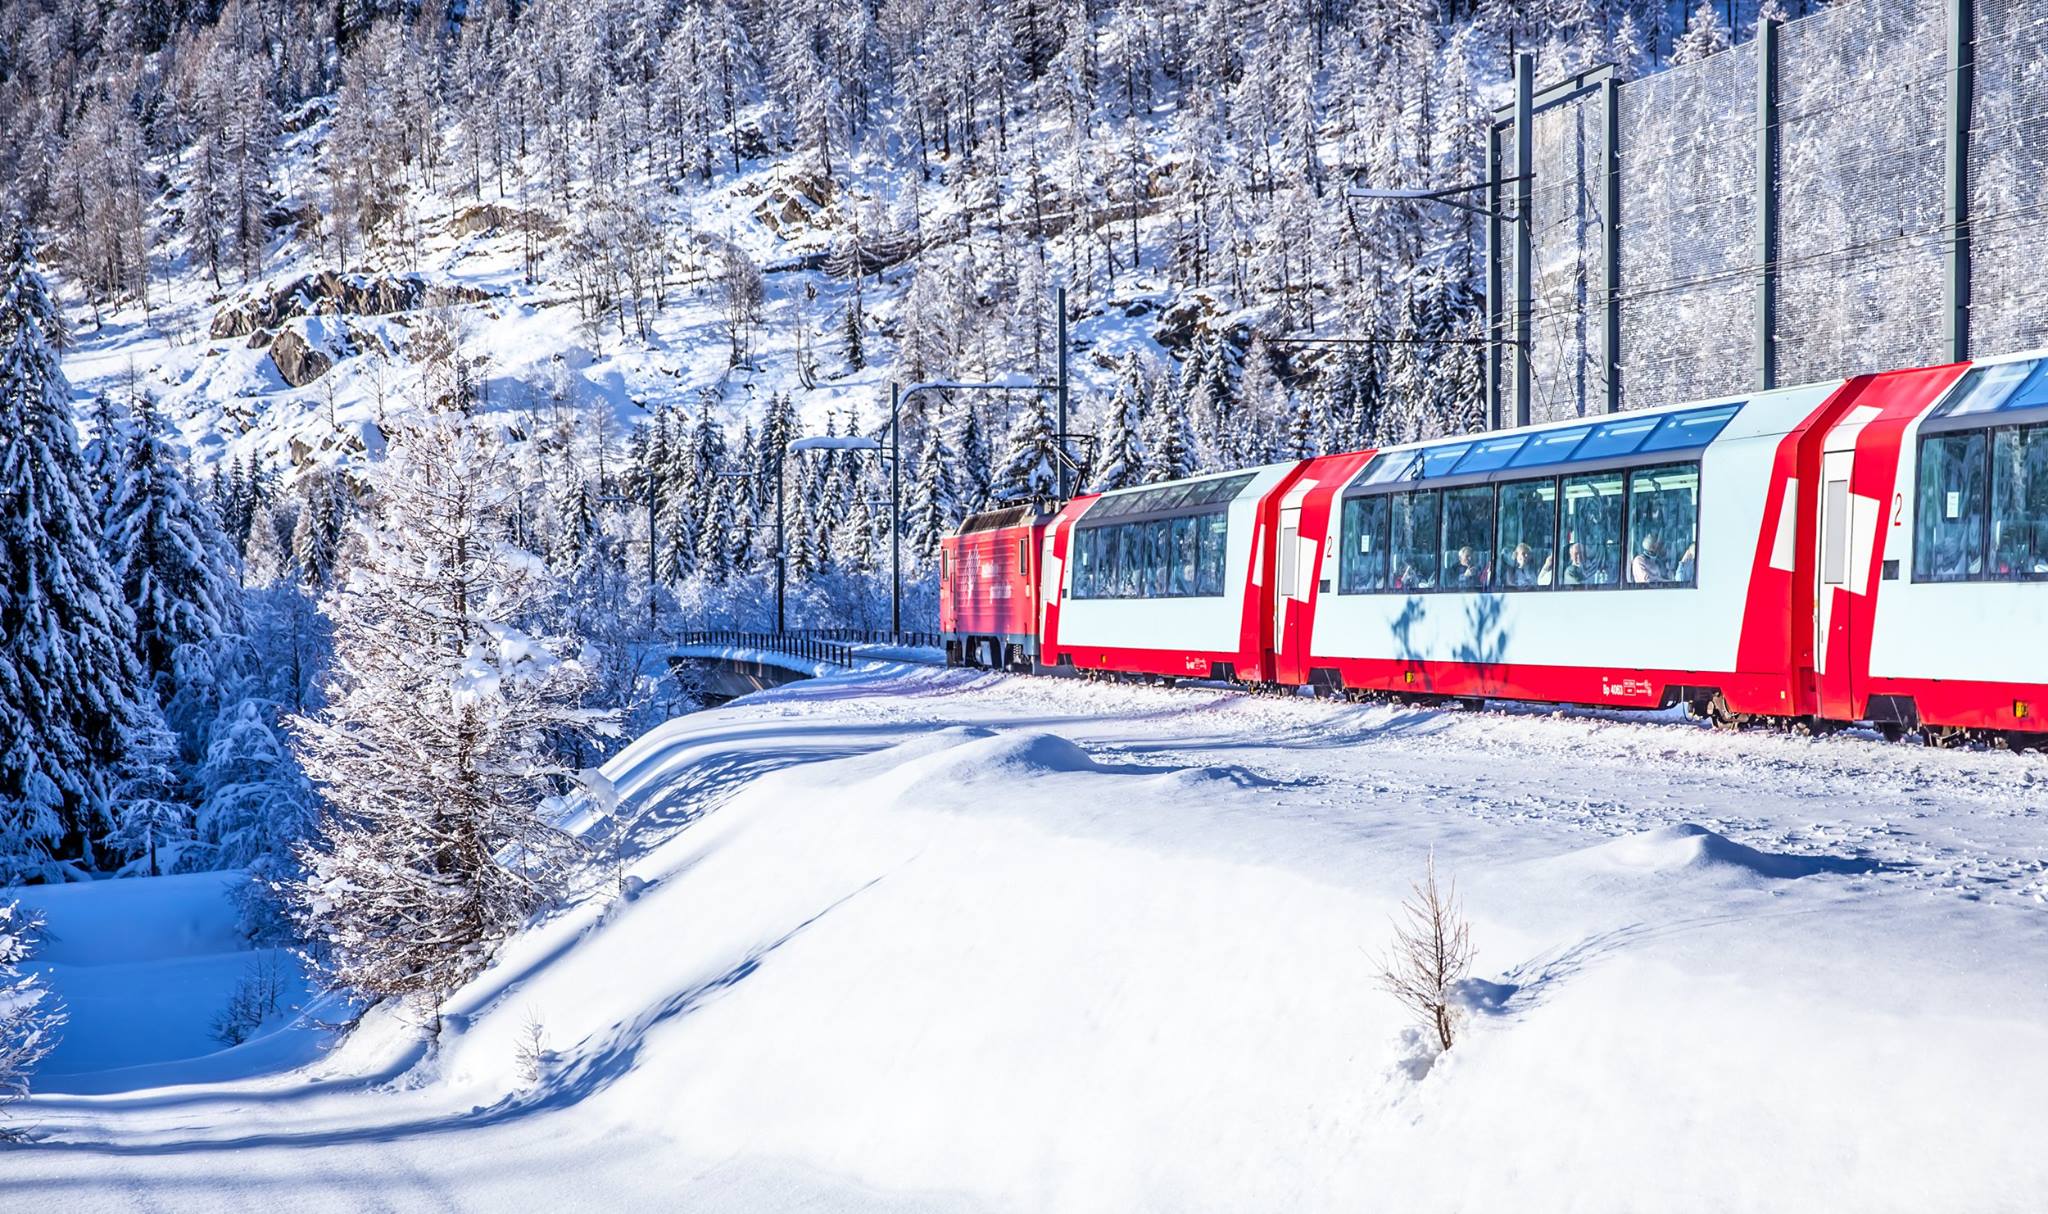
(177, 572)
(75, 704)
(30, 1015)
(1169, 438)
(1031, 462)
(441, 735)
(1120, 461)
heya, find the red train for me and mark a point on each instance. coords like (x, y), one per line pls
(1874, 550)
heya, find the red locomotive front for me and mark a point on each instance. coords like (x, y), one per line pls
(988, 588)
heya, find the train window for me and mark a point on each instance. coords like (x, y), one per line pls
(1948, 541)
(1468, 538)
(1387, 468)
(1438, 461)
(1414, 522)
(1362, 566)
(1130, 560)
(1592, 529)
(1023, 556)
(1663, 525)
(1528, 535)
(1693, 428)
(1151, 558)
(1180, 568)
(1214, 554)
(1550, 447)
(2019, 503)
(1491, 455)
(1159, 556)
(2017, 385)
(1610, 439)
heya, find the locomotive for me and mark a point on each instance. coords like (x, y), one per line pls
(1873, 550)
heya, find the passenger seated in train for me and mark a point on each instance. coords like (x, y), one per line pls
(1548, 576)
(1649, 568)
(1579, 569)
(1411, 578)
(1521, 572)
(1472, 571)
(1689, 564)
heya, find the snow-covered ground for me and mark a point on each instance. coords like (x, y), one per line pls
(928, 940)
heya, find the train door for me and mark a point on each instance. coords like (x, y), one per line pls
(1294, 567)
(1286, 578)
(1050, 577)
(1833, 637)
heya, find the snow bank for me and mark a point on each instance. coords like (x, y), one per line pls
(943, 941)
(1691, 850)
(143, 967)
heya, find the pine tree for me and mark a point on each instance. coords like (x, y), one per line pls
(714, 552)
(29, 1014)
(1170, 452)
(1030, 468)
(850, 333)
(1300, 441)
(1704, 35)
(1122, 461)
(441, 737)
(971, 480)
(176, 569)
(73, 699)
(325, 507)
(932, 511)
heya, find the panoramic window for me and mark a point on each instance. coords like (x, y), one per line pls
(1171, 558)
(1362, 565)
(2019, 503)
(1592, 528)
(1663, 523)
(1414, 522)
(1468, 538)
(1948, 540)
(1528, 535)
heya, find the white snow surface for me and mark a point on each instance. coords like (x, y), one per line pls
(910, 939)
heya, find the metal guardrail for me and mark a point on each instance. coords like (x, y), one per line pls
(831, 645)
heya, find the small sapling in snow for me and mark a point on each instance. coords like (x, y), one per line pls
(258, 997)
(1431, 954)
(531, 1048)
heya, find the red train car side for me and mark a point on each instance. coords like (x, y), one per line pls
(989, 572)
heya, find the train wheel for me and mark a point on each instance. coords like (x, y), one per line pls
(1725, 718)
(1891, 732)
(2022, 740)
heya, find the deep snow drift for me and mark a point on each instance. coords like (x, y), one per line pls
(929, 940)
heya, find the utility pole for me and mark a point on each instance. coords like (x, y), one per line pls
(781, 546)
(1060, 393)
(895, 510)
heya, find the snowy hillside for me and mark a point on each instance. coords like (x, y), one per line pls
(933, 941)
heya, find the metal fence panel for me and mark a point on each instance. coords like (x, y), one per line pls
(1567, 233)
(1862, 94)
(2008, 168)
(1689, 278)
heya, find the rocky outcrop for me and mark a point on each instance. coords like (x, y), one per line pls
(795, 201)
(490, 217)
(298, 362)
(330, 294)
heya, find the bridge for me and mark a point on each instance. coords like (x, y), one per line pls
(724, 664)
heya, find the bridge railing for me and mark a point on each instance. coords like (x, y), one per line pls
(836, 646)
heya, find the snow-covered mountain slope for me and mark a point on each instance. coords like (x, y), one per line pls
(930, 940)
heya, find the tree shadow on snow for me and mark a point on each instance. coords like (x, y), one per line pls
(583, 1076)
